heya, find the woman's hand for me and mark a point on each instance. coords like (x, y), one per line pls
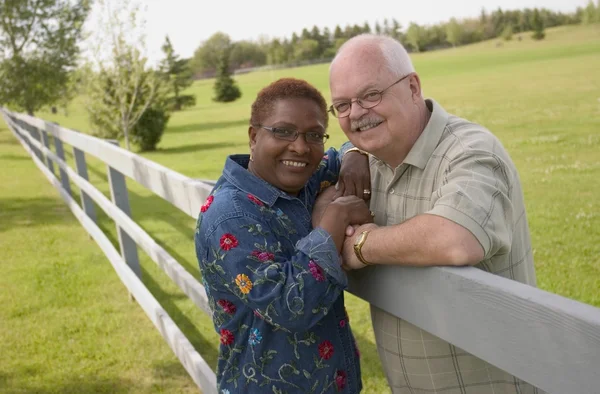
(355, 176)
(341, 213)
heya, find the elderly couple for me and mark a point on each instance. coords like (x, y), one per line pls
(414, 186)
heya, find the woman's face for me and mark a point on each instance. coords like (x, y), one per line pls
(285, 164)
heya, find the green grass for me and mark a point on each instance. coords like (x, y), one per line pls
(66, 324)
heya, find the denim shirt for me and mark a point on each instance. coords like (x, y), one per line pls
(275, 287)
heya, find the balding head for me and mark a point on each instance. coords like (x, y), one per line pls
(376, 48)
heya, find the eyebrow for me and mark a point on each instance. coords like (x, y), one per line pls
(371, 85)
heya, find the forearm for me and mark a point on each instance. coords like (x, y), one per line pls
(425, 240)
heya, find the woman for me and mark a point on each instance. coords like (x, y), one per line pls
(274, 281)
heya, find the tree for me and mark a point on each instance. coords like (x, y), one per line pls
(306, 50)
(121, 88)
(507, 33)
(537, 25)
(454, 32)
(39, 48)
(208, 55)
(415, 36)
(177, 76)
(247, 54)
(225, 87)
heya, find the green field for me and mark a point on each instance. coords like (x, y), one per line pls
(66, 325)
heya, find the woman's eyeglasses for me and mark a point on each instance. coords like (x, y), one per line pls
(290, 134)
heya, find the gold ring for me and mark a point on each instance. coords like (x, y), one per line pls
(372, 214)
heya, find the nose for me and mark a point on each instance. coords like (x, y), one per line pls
(356, 111)
(300, 146)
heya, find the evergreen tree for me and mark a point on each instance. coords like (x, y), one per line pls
(177, 76)
(537, 25)
(225, 87)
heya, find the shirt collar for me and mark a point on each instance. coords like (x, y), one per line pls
(236, 172)
(429, 139)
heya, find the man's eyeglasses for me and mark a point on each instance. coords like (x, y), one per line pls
(369, 100)
(290, 134)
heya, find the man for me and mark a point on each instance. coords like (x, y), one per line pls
(444, 192)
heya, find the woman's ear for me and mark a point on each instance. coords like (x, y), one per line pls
(252, 132)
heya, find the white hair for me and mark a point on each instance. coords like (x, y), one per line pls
(396, 57)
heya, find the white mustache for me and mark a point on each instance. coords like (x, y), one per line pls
(357, 124)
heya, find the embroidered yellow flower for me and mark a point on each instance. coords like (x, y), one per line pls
(244, 283)
(324, 185)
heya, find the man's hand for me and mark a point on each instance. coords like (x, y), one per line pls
(323, 200)
(349, 259)
(355, 176)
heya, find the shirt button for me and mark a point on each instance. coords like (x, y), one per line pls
(392, 191)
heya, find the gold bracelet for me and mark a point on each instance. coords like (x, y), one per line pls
(355, 149)
(358, 247)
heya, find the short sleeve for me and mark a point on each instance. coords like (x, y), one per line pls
(475, 193)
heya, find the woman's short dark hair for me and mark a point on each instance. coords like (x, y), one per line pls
(285, 88)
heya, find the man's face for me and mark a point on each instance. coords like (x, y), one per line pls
(388, 126)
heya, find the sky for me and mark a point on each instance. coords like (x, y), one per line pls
(189, 22)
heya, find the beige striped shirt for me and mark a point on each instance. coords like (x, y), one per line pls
(460, 171)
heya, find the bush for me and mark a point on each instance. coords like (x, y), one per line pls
(149, 129)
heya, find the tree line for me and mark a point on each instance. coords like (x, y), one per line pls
(316, 44)
(41, 66)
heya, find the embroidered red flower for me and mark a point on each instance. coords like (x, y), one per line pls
(326, 350)
(263, 256)
(226, 337)
(340, 379)
(228, 241)
(342, 323)
(206, 205)
(227, 306)
(316, 271)
(255, 200)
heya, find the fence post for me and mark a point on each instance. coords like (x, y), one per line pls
(86, 202)
(119, 195)
(46, 141)
(35, 133)
(60, 152)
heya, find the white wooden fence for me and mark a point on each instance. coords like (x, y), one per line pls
(545, 339)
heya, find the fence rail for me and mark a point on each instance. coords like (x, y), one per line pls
(545, 339)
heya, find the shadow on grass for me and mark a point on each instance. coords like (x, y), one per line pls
(156, 209)
(206, 348)
(200, 147)
(15, 157)
(31, 212)
(74, 385)
(206, 126)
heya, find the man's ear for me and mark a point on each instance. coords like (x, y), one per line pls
(415, 85)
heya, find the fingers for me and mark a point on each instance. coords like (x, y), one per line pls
(350, 189)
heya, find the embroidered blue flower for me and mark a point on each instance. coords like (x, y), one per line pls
(225, 391)
(255, 337)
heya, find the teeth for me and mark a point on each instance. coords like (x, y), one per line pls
(369, 126)
(294, 163)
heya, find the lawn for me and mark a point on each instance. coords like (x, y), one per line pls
(66, 324)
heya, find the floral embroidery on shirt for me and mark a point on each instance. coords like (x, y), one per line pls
(255, 200)
(227, 306)
(244, 283)
(226, 337)
(255, 337)
(228, 242)
(207, 204)
(316, 271)
(326, 350)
